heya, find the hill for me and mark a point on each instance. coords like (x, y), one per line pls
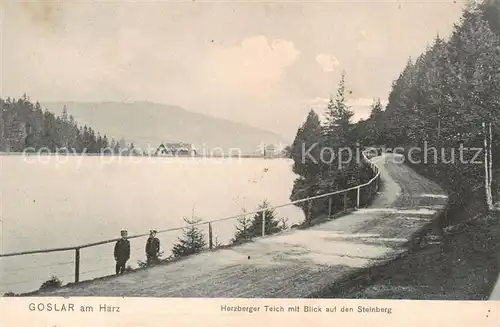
(146, 123)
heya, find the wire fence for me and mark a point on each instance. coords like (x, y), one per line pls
(28, 270)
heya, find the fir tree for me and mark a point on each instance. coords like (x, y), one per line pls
(308, 137)
(273, 224)
(338, 117)
(243, 231)
(193, 239)
(105, 143)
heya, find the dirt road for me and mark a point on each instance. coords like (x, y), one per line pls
(297, 263)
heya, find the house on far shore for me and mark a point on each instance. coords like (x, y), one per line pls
(175, 149)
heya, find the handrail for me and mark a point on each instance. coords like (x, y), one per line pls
(78, 247)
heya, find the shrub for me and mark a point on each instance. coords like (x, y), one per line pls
(193, 239)
(217, 244)
(53, 282)
(144, 264)
(249, 228)
(243, 231)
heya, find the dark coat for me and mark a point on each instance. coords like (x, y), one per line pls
(152, 246)
(122, 250)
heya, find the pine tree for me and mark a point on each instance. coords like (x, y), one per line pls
(338, 117)
(86, 140)
(93, 147)
(99, 143)
(105, 143)
(273, 224)
(192, 241)
(15, 132)
(131, 150)
(38, 125)
(375, 123)
(49, 132)
(243, 231)
(80, 141)
(308, 137)
(72, 133)
(65, 128)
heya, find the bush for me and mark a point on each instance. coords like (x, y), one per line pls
(249, 228)
(330, 181)
(53, 282)
(217, 244)
(243, 232)
(193, 239)
(144, 264)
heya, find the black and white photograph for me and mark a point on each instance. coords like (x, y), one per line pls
(250, 150)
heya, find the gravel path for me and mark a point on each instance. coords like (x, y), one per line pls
(294, 264)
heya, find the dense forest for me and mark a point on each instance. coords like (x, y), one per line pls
(439, 100)
(442, 98)
(24, 125)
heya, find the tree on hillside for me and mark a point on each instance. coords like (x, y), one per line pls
(338, 115)
(251, 227)
(308, 137)
(273, 224)
(24, 124)
(15, 132)
(339, 132)
(37, 127)
(116, 147)
(490, 11)
(64, 128)
(376, 109)
(192, 241)
(329, 169)
(243, 229)
(104, 142)
(448, 92)
(375, 124)
(396, 109)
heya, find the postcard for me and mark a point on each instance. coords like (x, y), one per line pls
(250, 163)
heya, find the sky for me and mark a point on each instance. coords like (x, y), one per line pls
(258, 62)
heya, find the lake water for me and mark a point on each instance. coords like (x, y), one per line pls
(50, 202)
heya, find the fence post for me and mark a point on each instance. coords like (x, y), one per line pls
(77, 265)
(329, 207)
(210, 238)
(264, 223)
(345, 201)
(357, 197)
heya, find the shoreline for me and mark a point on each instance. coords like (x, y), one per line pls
(66, 154)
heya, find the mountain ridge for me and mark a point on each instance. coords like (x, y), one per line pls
(148, 124)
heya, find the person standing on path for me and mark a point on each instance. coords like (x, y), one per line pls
(122, 252)
(152, 248)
